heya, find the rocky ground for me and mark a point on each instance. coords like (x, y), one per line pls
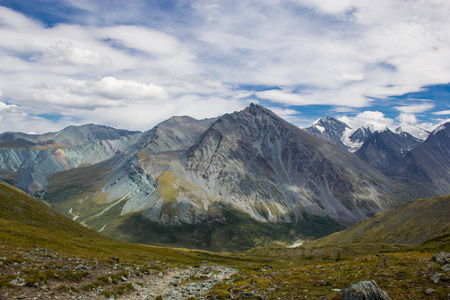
(42, 274)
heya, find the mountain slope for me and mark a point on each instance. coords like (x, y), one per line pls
(412, 222)
(384, 148)
(255, 161)
(68, 137)
(428, 165)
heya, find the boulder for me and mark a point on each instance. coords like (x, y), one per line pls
(442, 257)
(364, 290)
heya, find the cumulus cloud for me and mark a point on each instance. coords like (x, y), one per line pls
(107, 92)
(66, 53)
(376, 118)
(345, 54)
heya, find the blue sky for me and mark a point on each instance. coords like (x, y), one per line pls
(133, 64)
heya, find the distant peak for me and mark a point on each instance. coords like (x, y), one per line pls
(440, 128)
(255, 109)
(329, 119)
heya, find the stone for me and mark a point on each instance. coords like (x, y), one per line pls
(435, 277)
(442, 257)
(429, 291)
(446, 268)
(364, 290)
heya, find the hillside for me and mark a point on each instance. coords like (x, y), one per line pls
(411, 223)
(44, 255)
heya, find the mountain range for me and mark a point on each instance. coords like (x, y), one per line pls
(245, 172)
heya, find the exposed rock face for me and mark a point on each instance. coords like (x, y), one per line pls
(271, 169)
(429, 163)
(364, 290)
(382, 149)
(331, 130)
(196, 171)
(68, 137)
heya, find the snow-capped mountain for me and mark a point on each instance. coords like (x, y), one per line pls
(187, 171)
(341, 134)
(331, 130)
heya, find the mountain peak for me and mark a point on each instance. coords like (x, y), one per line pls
(441, 127)
(255, 109)
(330, 120)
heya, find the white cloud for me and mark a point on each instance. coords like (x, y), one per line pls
(442, 112)
(108, 92)
(65, 52)
(376, 118)
(415, 108)
(316, 52)
(406, 118)
(351, 77)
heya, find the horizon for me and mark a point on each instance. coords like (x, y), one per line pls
(134, 65)
(423, 132)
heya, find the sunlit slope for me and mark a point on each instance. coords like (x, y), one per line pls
(27, 224)
(412, 223)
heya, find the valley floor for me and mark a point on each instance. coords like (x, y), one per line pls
(43, 274)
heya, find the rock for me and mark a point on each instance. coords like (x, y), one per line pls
(364, 290)
(18, 282)
(321, 283)
(250, 295)
(442, 257)
(435, 277)
(446, 268)
(115, 259)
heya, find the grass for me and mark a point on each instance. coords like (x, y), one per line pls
(404, 275)
(239, 232)
(311, 271)
(412, 223)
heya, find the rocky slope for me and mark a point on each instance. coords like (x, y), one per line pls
(249, 173)
(257, 162)
(331, 130)
(428, 165)
(383, 149)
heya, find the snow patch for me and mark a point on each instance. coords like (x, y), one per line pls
(439, 128)
(320, 128)
(297, 244)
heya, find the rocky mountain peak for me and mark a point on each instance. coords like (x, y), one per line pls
(255, 109)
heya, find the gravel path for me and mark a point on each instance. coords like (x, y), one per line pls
(181, 283)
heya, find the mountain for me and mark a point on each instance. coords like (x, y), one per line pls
(356, 139)
(259, 163)
(413, 222)
(331, 130)
(244, 179)
(428, 165)
(382, 149)
(68, 137)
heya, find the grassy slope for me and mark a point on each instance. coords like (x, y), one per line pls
(236, 233)
(411, 223)
(26, 224)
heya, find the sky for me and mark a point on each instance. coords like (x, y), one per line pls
(132, 64)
